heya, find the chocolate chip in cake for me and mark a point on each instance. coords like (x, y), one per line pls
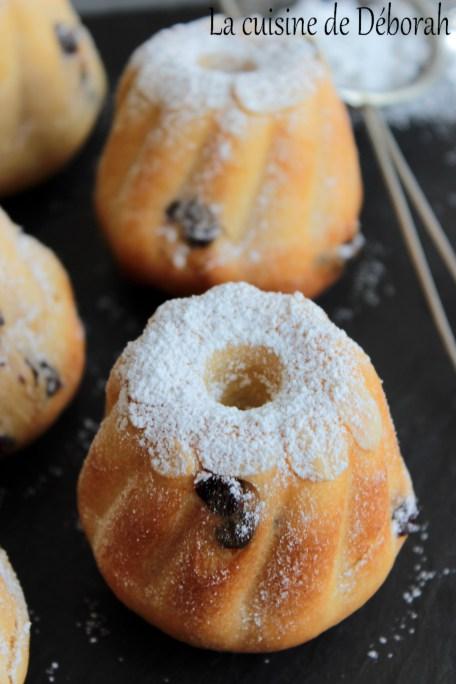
(238, 530)
(51, 378)
(7, 444)
(236, 501)
(84, 71)
(2, 320)
(404, 519)
(197, 221)
(222, 495)
(34, 371)
(174, 209)
(43, 370)
(68, 38)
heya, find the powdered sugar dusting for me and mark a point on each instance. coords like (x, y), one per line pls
(186, 68)
(25, 248)
(378, 62)
(411, 616)
(223, 88)
(22, 332)
(406, 512)
(321, 402)
(371, 62)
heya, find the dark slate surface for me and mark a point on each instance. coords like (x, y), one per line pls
(81, 633)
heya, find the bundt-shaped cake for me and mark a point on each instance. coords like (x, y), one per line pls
(14, 626)
(41, 338)
(52, 86)
(230, 158)
(245, 490)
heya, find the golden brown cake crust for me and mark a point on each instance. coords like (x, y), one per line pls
(322, 546)
(280, 184)
(14, 626)
(42, 346)
(44, 49)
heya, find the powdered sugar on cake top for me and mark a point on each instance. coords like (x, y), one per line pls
(186, 68)
(320, 406)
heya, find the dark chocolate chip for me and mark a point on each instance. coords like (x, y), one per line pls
(7, 444)
(197, 221)
(173, 210)
(35, 373)
(2, 320)
(84, 73)
(50, 376)
(51, 379)
(222, 495)
(67, 38)
(236, 501)
(238, 531)
(404, 518)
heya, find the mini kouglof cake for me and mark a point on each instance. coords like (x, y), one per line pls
(42, 347)
(230, 158)
(245, 491)
(52, 86)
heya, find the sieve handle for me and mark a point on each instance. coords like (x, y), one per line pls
(381, 137)
(422, 206)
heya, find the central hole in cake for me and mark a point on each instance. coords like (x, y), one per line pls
(244, 377)
(230, 64)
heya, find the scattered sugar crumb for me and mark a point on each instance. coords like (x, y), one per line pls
(371, 284)
(51, 671)
(43, 481)
(95, 624)
(35, 620)
(86, 433)
(404, 625)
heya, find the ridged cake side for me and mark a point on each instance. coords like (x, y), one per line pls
(313, 550)
(276, 184)
(42, 345)
(52, 88)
